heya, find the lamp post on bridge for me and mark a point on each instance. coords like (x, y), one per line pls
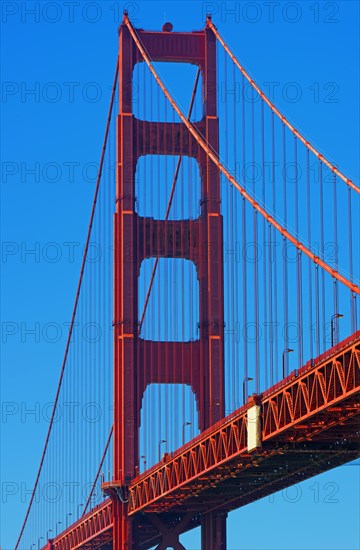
(47, 533)
(160, 443)
(332, 327)
(287, 350)
(245, 381)
(56, 527)
(39, 540)
(183, 430)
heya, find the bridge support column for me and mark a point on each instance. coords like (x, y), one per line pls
(213, 531)
(137, 238)
(170, 537)
(123, 536)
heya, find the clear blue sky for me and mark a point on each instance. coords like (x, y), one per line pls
(57, 68)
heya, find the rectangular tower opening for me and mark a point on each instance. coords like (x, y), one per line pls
(171, 313)
(167, 187)
(179, 79)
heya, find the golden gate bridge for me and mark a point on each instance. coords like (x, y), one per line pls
(235, 246)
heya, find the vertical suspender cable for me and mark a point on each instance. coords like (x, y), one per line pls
(351, 266)
(310, 290)
(256, 267)
(234, 199)
(336, 257)
(273, 243)
(162, 420)
(264, 250)
(227, 240)
(322, 246)
(243, 244)
(317, 311)
(298, 262)
(143, 182)
(284, 248)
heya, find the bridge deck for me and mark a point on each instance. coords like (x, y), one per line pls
(310, 424)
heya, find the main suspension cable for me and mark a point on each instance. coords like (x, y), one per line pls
(283, 119)
(213, 156)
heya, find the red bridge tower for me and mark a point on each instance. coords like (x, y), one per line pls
(138, 238)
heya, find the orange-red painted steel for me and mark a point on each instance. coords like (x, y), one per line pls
(138, 238)
(96, 526)
(310, 423)
(292, 411)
